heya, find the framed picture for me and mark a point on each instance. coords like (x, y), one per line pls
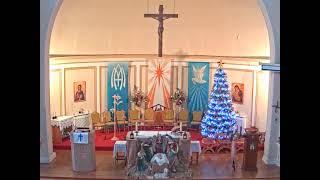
(79, 89)
(237, 93)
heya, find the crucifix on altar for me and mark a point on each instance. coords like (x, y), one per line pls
(160, 17)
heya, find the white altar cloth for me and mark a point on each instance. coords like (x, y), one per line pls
(147, 134)
(241, 122)
(62, 122)
(82, 120)
(195, 147)
(119, 146)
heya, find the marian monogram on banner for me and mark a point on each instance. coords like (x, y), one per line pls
(118, 78)
(117, 84)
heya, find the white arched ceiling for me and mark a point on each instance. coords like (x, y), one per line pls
(206, 27)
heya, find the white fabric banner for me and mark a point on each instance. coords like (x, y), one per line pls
(159, 80)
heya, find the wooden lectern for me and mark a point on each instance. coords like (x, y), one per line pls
(250, 149)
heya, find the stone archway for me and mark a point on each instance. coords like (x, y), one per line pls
(48, 12)
(271, 12)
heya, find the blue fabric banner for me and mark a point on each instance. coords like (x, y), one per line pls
(117, 83)
(198, 86)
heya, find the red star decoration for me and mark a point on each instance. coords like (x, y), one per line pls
(159, 73)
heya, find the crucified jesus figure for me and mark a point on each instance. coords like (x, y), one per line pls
(161, 17)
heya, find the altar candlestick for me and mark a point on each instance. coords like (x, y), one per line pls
(233, 151)
(136, 126)
(115, 101)
(180, 126)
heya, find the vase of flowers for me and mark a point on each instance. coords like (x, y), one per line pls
(138, 97)
(178, 98)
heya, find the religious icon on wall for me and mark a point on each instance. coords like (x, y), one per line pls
(237, 93)
(79, 89)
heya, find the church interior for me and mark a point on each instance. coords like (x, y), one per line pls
(159, 89)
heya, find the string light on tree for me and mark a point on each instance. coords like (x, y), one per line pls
(220, 117)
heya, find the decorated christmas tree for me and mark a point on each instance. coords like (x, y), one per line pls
(220, 117)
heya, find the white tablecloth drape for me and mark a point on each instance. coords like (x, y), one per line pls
(62, 122)
(119, 146)
(241, 123)
(147, 134)
(195, 147)
(82, 120)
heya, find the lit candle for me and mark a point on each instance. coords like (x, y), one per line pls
(136, 126)
(180, 126)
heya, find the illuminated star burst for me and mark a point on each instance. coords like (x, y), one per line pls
(159, 82)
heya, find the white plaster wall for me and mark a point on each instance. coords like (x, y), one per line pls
(245, 77)
(206, 27)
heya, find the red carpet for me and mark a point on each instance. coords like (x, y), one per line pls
(107, 145)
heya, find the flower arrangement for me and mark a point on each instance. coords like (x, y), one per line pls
(138, 97)
(178, 97)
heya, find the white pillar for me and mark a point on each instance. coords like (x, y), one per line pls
(138, 76)
(271, 149)
(271, 12)
(63, 102)
(98, 89)
(254, 93)
(179, 76)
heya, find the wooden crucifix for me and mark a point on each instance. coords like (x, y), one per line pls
(160, 17)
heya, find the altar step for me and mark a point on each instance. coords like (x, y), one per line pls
(103, 140)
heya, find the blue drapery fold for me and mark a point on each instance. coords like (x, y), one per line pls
(198, 87)
(117, 83)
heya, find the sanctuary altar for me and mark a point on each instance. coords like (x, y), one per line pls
(158, 154)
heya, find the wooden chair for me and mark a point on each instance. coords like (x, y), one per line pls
(106, 118)
(96, 122)
(149, 116)
(168, 118)
(183, 117)
(196, 119)
(121, 119)
(134, 116)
